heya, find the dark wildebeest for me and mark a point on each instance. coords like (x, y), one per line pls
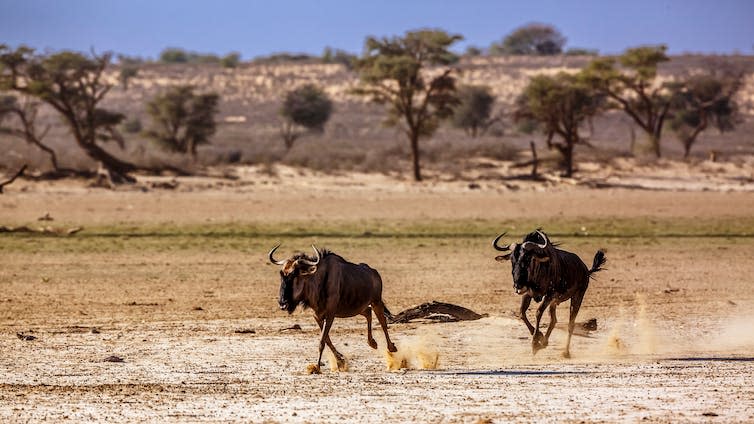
(548, 275)
(332, 287)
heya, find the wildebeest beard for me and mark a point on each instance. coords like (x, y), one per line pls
(286, 294)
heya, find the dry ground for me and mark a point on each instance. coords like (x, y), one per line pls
(176, 283)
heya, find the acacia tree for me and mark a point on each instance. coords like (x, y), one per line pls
(634, 89)
(474, 109)
(701, 101)
(393, 72)
(560, 105)
(72, 84)
(181, 119)
(19, 119)
(306, 106)
(531, 39)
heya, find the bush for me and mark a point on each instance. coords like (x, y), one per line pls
(307, 106)
(472, 113)
(132, 126)
(231, 60)
(181, 119)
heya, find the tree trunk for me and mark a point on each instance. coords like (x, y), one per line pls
(414, 138)
(568, 159)
(118, 169)
(654, 141)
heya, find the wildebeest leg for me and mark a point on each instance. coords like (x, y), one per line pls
(525, 302)
(537, 341)
(323, 340)
(553, 321)
(379, 311)
(368, 315)
(575, 305)
(338, 356)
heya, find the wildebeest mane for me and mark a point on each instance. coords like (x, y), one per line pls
(322, 253)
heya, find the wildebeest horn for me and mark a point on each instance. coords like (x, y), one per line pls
(310, 263)
(273, 259)
(500, 248)
(530, 244)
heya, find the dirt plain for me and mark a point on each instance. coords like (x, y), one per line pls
(176, 283)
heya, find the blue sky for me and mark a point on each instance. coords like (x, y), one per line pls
(144, 28)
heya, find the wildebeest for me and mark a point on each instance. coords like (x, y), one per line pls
(332, 287)
(549, 275)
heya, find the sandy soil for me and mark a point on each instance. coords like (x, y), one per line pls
(195, 319)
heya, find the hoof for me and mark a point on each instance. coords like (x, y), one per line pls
(391, 347)
(372, 343)
(567, 354)
(313, 369)
(342, 365)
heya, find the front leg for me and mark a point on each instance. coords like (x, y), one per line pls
(322, 342)
(525, 302)
(538, 342)
(339, 358)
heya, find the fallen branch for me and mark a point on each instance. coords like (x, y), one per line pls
(40, 230)
(436, 311)
(13, 178)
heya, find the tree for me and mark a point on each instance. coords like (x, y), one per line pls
(701, 101)
(474, 109)
(181, 119)
(531, 39)
(72, 84)
(393, 72)
(306, 106)
(25, 115)
(231, 60)
(126, 73)
(633, 89)
(174, 55)
(560, 104)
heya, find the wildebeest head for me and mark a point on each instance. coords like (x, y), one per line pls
(292, 277)
(525, 257)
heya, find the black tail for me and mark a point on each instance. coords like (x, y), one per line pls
(599, 260)
(389, 315)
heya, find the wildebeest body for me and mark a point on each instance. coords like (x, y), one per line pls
(549, 275)
(333, 288)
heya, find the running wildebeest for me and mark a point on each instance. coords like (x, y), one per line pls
(548, 275)
(332, 287)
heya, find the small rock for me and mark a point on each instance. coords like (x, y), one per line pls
(590, 325)
(198, 308)
(709, 414)
(94, 330)
(245, 331)
(26, 337)
(113, 358)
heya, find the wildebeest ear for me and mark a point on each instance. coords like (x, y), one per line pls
(505, 257)
(309, 270)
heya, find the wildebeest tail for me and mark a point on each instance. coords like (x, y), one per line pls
(389, 315)
(599, 260)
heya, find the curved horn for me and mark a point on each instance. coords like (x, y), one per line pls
(544, 237)
(310, 263)
(530, 244)
(272, 259)
(500, 248)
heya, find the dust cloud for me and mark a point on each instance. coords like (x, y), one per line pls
(417, 352)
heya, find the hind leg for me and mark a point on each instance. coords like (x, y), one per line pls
(575, 305)
(379, 311)
(368, 315)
